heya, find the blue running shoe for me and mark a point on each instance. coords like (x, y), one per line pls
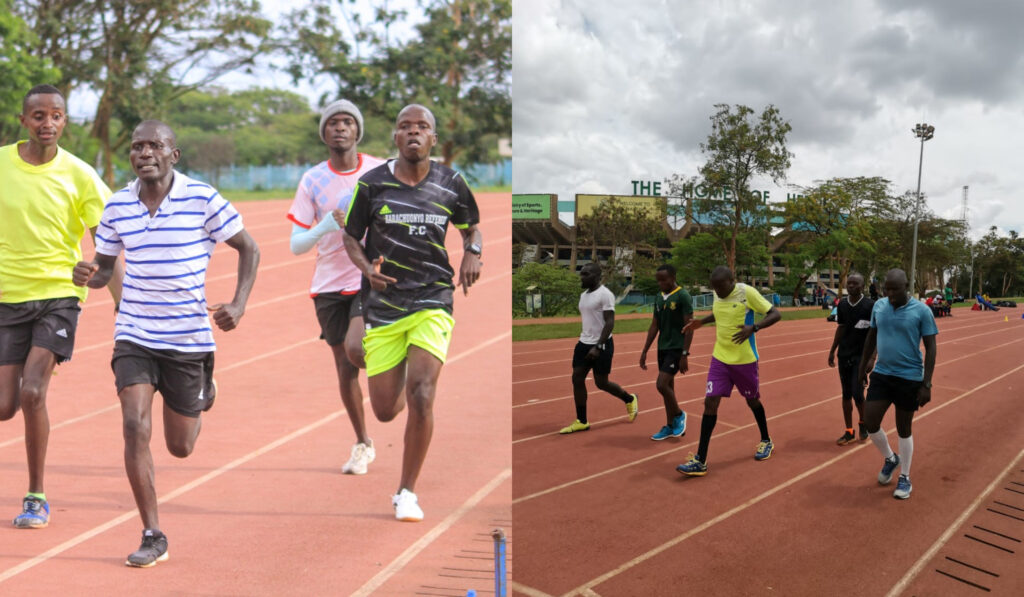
(764, 450)
(888, 467)
(662, 433)
(693, 467)
(903, 488)
(679, 425)
(35, 514)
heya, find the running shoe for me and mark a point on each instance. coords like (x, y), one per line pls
(407, 508)
(846, 438)
(574, 427)
(152, 550)
(362, 456)
(632, 408)
(764, 450)
(662, 433)
(35, 514)
(693, 467)
(903, 488)
(679, 425)
(890, 464)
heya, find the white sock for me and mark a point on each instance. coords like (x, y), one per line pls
(882, 443)
(906, 453)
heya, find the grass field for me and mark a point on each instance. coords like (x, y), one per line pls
(546, 330)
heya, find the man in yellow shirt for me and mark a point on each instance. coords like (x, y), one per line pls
(733, 362)
(48, 199)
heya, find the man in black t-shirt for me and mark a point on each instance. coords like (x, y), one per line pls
(853, 314)
(403, 207)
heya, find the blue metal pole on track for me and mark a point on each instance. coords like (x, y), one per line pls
(500, 572)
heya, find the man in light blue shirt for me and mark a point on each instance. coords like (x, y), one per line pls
(899, 323)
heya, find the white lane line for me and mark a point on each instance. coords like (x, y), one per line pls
(901, 586)
(413, 550)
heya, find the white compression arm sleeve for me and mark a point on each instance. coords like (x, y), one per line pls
(303, 240)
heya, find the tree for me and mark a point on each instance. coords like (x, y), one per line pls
(739, 147)
(458, 64)
(20, 69)
(559, 287)
(628, 230)
(696, 256)
(138, 55)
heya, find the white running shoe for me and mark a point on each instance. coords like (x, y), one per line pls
(406, 507)
(362, 456)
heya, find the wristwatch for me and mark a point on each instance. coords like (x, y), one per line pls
(475, 249)
(756, 327)
(684, 353)
(927, 385)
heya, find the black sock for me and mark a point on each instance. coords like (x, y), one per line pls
(762, 421)
(707, 425)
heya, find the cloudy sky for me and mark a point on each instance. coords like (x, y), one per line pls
(607, 92)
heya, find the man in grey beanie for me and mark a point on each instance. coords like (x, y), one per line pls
(317, 214)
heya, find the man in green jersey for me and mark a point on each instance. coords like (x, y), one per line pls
(672, 310)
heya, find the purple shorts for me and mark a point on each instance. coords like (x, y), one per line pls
(722, 377)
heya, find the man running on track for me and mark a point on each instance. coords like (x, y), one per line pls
(899, 324)
(167, 224)
(595, 349)
(854, 318)
(317, 213)
(673, 309)
(403, 208)
(733, 362)
(48, 199)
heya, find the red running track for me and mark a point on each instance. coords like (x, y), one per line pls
(261, 507)
(603, 512)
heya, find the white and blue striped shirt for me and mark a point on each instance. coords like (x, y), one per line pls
(163, 303)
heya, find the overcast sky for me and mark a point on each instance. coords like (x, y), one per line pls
(607, 92)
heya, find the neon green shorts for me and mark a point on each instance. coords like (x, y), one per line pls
(388, 345)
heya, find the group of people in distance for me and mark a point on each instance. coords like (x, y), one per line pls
(877, 338)
(382, 287)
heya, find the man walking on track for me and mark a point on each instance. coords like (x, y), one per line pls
(403, 209)
(48, 199)
(317, 213)
(854, 318)
(595, 349)
(167, 224)
(899, 323)
(673, 309)
(733, 362)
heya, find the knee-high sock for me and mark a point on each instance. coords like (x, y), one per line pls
(906, 453)
(707, 425)
(881, 442)
(762, 422)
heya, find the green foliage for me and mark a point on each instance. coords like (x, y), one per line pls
(695, 257)
(560, 287)
(458, 65)
(140, 55)
(625, 229)
(741, 145)
(20, 69)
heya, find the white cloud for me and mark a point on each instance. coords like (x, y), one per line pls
(607, 92)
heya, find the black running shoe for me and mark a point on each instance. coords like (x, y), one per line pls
(152, 550)
(846, 438)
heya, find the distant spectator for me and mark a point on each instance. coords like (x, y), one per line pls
(873, 291)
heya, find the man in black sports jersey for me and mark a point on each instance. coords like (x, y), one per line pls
(853, 314)
(403, 207)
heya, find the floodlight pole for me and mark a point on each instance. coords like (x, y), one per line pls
(924, 132)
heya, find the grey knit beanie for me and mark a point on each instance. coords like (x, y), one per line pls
(338, 107)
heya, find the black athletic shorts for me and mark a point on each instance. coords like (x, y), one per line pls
(48, 323)
(668, 360)
(184, 379)
(849, 378)
(602, 365)
(896, 390)
(333, 311)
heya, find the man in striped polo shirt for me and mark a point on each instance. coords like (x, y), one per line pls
(167, 224)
